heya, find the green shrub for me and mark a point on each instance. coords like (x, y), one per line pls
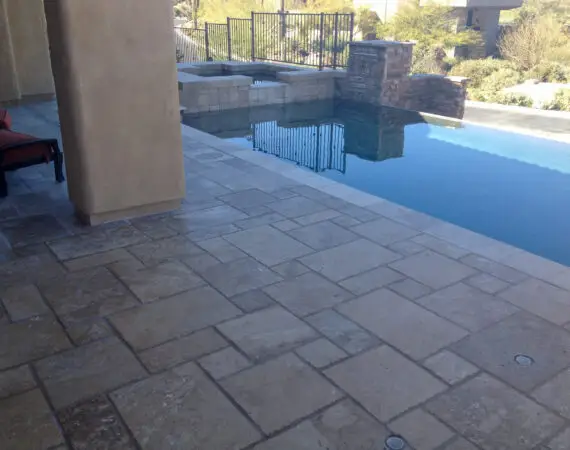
(427, 60)
(503, 98)
(478, 69)
(550, 72)
(501, 79)
(561, 101)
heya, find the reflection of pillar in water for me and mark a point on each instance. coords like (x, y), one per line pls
(371, 137)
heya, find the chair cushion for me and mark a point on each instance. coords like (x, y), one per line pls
(5, 119)
(35, 151)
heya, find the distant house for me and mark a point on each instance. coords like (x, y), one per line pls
(482, 15)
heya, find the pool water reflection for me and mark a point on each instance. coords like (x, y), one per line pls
(511, 187)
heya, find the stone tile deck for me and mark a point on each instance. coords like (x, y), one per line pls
(276, 310)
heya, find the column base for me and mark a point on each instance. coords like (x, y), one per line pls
(129, 213)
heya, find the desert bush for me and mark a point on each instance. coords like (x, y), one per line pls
(501, 79)
(504, 98)
(550, 72)
(433, 28)
(428, 59)
(532, 41)
(478, 69)
(561, 101)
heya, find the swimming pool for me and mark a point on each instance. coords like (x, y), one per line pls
(508, 186)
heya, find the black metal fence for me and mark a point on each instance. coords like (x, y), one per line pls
(317, 40)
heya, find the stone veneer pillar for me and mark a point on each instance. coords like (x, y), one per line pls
(115, 77)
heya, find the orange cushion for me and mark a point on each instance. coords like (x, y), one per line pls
(20, 155)
(5, 119)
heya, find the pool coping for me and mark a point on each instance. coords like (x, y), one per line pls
(537, 266)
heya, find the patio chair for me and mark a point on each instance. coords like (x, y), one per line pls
(18, 150)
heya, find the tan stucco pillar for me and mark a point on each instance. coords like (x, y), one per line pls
(9, 87)
(115, 75)
(30, 46)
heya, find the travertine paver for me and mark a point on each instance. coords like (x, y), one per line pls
(433, 269)
(257, 221)
(267, 332)
(370, 281)
(247, 198)
(23, 302)
(160, 281)
(348, 260)
(17, 380)
(384, 382)
(421, 430)
(343, 426)
(31, 339)
(320, 216)
(440, 246)
(467, 306)
(29, 269)
(207, 218)
(410, 289)
(32, 230)
(153, 408)
(160, 321)
(344, 333)
(290, 269)
(323, 235)
(296, 207)
(151, 372)
(97, 240)
(268, 245)
(384, 231)
(495, 416)
(224, 363)
(92, 287)
(286, 225)
(494, 349)
(27, 423)
(560, 442)
(222, 249)
(94, 424)
(459, 444)
(92, 369)
(307, 294)
(554, 304)
(487, 283)
(410, 328)
(155, 252)
(282, 378)
(500, 271)
(406, 248)
(240, 276)
(181, 350)
(98, 259)
(556, 394)
(252, 301)
(450, 367)
(320, 353)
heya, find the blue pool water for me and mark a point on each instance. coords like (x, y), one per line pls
(508, 186)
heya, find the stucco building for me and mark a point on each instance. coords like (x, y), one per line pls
(111, 64)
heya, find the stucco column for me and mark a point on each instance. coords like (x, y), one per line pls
(30, 46)
(115, 75)
(9, 87)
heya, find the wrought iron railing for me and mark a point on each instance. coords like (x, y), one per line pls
(317, 40)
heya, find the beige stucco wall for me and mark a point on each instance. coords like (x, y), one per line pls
(30, 46)
(117, 91)
(9, 88)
